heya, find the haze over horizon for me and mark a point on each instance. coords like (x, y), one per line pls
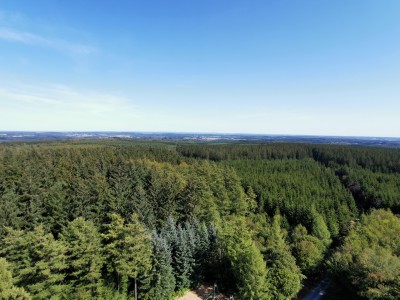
(263, 67)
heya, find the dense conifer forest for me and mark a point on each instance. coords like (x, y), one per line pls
(111, 219)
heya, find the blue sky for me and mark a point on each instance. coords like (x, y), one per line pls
(279, 67)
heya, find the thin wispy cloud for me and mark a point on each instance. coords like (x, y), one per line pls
(65, 98)
(67, 108)
(28, 38)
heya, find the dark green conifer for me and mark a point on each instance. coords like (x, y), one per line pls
(161, 275)
(284, 276)
(183, 260)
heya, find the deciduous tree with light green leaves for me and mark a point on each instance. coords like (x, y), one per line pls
(308, 250)
(369, 260)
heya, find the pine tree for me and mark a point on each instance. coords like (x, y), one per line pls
(84, 257)
(9, 211)
(120, 187)
(170, 234)
(246, 260)
(7, 289)
(54, 215)
(183, 260)
(284, 276)
(128, 251)
(333, 224)
(191, 237)
(319, 229)
(38, 262)
(201, 253)
(142, 206)
(252, 200)
(161, 275)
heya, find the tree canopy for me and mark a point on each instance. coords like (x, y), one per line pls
(111, 219)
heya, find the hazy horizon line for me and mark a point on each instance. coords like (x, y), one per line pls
(198, 132)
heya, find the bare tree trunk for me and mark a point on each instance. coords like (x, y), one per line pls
(135, 289)
(118, 281)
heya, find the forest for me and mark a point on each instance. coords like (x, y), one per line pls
(119, 219)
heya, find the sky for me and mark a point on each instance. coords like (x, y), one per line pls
(307, 67)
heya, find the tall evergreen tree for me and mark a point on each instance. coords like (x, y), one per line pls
(320, 229)
(9, 212)
(246, 260)
(38, 262)
(128, 251)
(201, 253)
(54, 215)
(183, 260)
(161, 275)
(8, 291)
(84, 257)
(284, 276)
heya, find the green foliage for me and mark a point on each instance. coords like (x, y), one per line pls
(52, 185)
(373, 189)
(182, 253)
(307, 249)
(369, 258)
(38, 262)
(246, 260)
(183, 260)
(284, 276)
(162, 280)
(319, 229)
(246, 152)
(7, 288)
(211, 220)
(128, 250)
(84, 257)
(295, 188)
(9, 212)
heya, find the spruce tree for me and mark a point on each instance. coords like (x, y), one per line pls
(202, 251)
(161, 275)
(7, 289)
(245, 260)
(128, 251)
(284, 276)
(183, 260)
(84, 257)
(9, 211)
(320, 229)
(54, 215)
(38, 262)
